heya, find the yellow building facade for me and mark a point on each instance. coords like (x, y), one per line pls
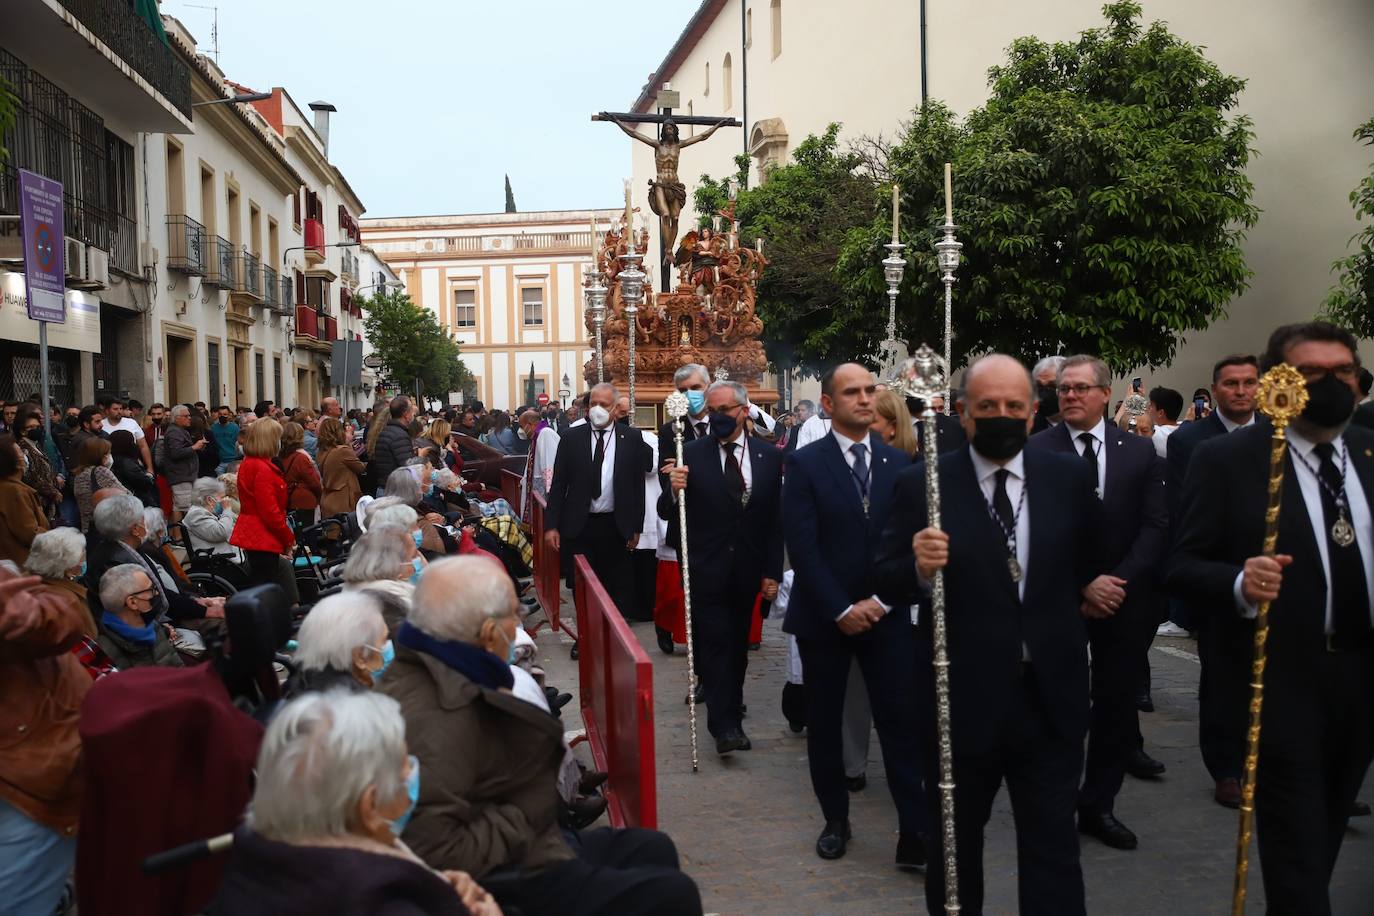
(509, 285)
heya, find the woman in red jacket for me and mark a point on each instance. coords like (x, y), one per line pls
(261, 530)
(303, 487)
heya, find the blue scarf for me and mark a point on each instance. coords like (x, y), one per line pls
(477, 665)
(143, 636)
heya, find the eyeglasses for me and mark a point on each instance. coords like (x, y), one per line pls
(1346, 372)
(1079, 390)
(724, 410)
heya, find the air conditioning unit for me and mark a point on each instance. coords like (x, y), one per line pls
(74, 258)
(97, 268)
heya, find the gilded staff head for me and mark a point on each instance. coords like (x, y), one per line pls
(1282, 394)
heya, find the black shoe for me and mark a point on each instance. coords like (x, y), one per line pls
(856, 783)
(586, 810)
(563, 699)
(665, 640)
(1144, 702)
(731, 741)
(591, 781)
(911, 851)
(745, 743)
(1359, 809)
(1142, 766)
(833, 840)
(1106, 828)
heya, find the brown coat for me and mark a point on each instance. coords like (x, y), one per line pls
(489, 770)
(302, 481)
(24, 518)
(340, 468)
(43, 684)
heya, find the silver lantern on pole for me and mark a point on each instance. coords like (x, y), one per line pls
(631, 295)
(595, 291)
(894, 266)
(947, 254)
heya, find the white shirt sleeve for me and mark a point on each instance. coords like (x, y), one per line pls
(1247, 610)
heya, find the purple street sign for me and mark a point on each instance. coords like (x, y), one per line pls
(40, 225)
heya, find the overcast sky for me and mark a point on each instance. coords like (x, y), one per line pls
(438, 99)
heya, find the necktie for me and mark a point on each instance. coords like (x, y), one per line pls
(701, 429)
(598, 460)
(734, 474)
(1090, 456)
(1349, 595)
(1001, 503)
(860, 468)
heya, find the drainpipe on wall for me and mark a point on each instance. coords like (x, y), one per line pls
(923, 53)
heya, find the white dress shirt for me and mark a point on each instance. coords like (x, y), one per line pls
(1304, 460)
(1099, 434)
(815, 428)
(606, 501)
(1232, 426)
(847, 450)
(1160, 437)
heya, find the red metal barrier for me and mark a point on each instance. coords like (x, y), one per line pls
(510, 487)
(548, 572)
(617, 687)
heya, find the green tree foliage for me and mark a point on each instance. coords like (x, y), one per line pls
(1351, 302)
(1100, 195)
(411, 345)
(510, 197)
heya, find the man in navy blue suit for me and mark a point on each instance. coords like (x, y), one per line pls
(734, 544)
(1119, 602)
(1018, 545)
(836, 501)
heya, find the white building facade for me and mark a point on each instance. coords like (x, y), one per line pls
(813, 62)
(509, 285)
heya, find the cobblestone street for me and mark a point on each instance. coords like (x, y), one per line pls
(746, 825)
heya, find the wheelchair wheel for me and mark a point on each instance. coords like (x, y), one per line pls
(213, 584)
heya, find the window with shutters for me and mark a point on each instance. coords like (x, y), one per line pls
(276, 379)
(317, 294)
(259, 376)
(296, 209)
(532, 305)
(465, 308)
(776, 10)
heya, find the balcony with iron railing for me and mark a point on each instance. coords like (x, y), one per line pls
(222, 264)
(348, 266)
(271, 289)
(247, 285)
(132, 39)
(288, 296)
(185, 245)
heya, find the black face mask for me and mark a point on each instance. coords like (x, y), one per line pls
(1330, 402)
(72, 422)
(1049, 400)
(999, 438)
(35, 434)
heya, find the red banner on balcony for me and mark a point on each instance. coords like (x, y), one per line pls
(314, 236)
(307, 322)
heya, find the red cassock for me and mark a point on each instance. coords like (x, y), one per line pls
(669, 607)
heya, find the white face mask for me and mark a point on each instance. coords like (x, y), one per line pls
(600, 416)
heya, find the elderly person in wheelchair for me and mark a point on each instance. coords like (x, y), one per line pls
(336, 787)
(210, 521)
(343, 642)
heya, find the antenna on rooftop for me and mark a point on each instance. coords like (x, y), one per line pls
(214, 29)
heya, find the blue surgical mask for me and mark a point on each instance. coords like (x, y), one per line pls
(398, 826)
(723, 425)
(83, 569)
(388, 654)
(510, 646)
(219, 509)
(696, 402)
(419, 566)
(434, 477)
(418, 537)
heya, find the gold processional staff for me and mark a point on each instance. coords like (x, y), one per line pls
(1282, 396)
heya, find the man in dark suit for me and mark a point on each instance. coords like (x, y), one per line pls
(835, 504)
(1016, 638)
(692, 380)
(1119, 603)
(1317, 739)
(596, 497)
(733, 484)
(1221, 726)
(1046, 375)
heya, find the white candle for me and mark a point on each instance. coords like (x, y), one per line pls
(759, 246)
(896, 212)
(949, 208)
(627, 205)
(593, 241)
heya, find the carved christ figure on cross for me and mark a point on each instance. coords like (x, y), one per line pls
(667, 193)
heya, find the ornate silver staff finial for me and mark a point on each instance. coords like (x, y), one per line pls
(921, 375)
(722, 374)
(676, 405)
